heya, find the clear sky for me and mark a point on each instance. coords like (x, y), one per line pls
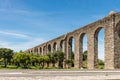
(27, 23)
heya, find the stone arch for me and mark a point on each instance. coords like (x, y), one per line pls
(44, 50)
(28, 51)
(81, 37)
(55, 47)
(38, 52)
(96, 45)
(83, 54)
(62, 45)
(40, 49)
(31, 51)
(49, 48)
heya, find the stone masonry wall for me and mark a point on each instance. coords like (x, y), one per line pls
(111, 26)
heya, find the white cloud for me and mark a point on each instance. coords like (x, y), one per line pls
(98, 16)
(21, 46)
(17, 46)
(13, 34)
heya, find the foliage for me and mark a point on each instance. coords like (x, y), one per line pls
(33, 59)
(68, 61)
(6, 54)
(84, 60)
(40, 60)
(60, 59)
(85, 56)
(26, 60)
(54, 58)
(47, 60)
(22, 59)
(100, 64)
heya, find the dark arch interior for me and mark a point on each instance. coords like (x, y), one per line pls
(71, 50)
(40, 50)
(55, 46)
(44, 50)
(49, 48)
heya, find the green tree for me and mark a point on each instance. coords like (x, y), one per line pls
(85, 56)
(22, 59)
(100, 64)
(84, 59)
(40, 60)
(60, 59)
(33, 59)
(54, 58)
(68, 62)
(47, 60)
(7, 55)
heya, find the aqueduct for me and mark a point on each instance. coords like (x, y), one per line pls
(111, 25)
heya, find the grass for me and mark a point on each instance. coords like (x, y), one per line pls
(30, 67)
(40, 68)
(100, 66)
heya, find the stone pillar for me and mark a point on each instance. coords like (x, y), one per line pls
(112, 45)
(95, 46)
(77, 54)
(58, 49)
(52, 49)
(91, 51)
(109, 48)
(33, 50)
(58, 46)
(41, 51)
(65, 53)
(46, 50)
(38, 51)
(68, 52)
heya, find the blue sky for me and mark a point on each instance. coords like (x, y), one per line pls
(27, 23)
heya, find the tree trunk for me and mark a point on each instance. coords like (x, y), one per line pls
(5, 63)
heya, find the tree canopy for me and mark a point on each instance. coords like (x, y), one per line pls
(6, 54)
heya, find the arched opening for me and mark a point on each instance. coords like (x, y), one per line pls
(44, 50)
(99, 48)
(40, 51)
(31, 51)
(71, 50)
(83, 50)
(62, 45)
(49, 48)
(55, 47)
